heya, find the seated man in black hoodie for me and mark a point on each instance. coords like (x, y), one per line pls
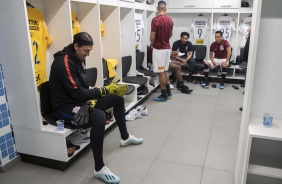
(73, 100)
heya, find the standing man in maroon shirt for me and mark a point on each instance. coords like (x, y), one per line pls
(161, 32)
(220, 52)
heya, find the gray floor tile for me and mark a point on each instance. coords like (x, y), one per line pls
(111, 141)
(168, 115)
(204, 91)
(131, 169)
(230, 100)
(191, 133)
(203, 98)
(19, 174)
(221, 157)
(183, 152)
(93, 181)
(150, 147)
(214, 176)
(153, 127)
(177, 95)
(229, 90)
(171, 104)
(70, 179)
(45, 176)
(196, 118)
(82, 166)
(164, 172)
(229, 121)
(199, 107)
(224, 137)
(227, 109)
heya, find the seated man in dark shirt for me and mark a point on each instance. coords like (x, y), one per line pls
(183, 46)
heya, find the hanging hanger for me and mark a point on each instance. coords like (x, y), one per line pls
(200, 15)
(28, 4)
(225, 14)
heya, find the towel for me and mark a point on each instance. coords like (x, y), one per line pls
(112, 63)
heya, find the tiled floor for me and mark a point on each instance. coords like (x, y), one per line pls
(191, 139)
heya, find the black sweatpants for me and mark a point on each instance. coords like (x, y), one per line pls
(97, 123)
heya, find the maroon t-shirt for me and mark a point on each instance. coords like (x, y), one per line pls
(162, 25)
(220, 50)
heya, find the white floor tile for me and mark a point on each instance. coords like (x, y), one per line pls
(224, 137)
(163, 172)
(45, 176)
(149, 149)
(221, 157)
(171, 104)
(168, 115)
(227, 109)
(191, 133)
(153, 128)
(199, 107)
(186, 152)
(230, 100)
(203, 98)
(214, 176)
(196, 118)
(204, 91)
(229, 121)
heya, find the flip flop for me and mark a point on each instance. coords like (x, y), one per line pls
(235, 87)
(213, 85)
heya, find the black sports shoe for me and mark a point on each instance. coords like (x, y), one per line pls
(205, 83)
(184, 89)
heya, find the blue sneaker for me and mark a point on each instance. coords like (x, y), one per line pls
(106, 175)
(206, 83)
(221, 86)
(131, 140)
(161, 98)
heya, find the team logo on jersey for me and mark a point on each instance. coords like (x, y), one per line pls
(38, 77)
(199, 41)
(160, 67)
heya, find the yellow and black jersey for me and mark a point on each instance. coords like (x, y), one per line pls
(40, 40)
(75, 23)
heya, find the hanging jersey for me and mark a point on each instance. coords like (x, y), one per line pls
(226, 24)
(200, 26)
(245, 28)
(40, 39)
(102, 28)
(75, 23)
(139, 26)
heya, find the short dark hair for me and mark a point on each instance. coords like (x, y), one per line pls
(219, 32)
(161, 3)
(82, 39)
(184, 33)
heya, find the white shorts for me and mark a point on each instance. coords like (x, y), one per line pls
(217, 61)
(161, 59)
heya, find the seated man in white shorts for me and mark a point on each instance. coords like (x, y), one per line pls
(220, 52)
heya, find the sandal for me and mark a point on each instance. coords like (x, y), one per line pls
(213, 86)
(71, 151)
(106, 175)
(235, 87)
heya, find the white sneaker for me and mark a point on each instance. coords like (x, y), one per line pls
(171, 86)
(131, 140)
(143, 111)
(79, 137)
(106, 175)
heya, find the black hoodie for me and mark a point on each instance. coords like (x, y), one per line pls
(68, 81)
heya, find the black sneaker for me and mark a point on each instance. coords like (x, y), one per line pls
(185, 89)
